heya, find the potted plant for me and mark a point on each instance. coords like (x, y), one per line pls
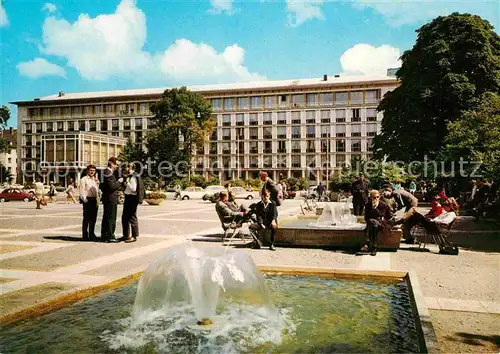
(155, 198)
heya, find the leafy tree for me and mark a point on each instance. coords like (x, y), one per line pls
(183, 120)
(5, 175)
(132, 153)
(475, 137)
(454, 61)
(4, 117)
(4, 145)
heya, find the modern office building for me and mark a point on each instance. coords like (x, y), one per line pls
(292, 128)
(8, 159)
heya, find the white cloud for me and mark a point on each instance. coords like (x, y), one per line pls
(4, 20)
(221, 6)
(367, 59)
(300, 11)
(185, 60)
(404, 12)
(40, 67)
(50, 7)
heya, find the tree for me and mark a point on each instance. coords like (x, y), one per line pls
(183, 120)
(4, 117)
(475, 137)
(455, 60)
(132, 153)
(5, 175)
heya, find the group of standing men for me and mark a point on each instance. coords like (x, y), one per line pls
(91, 190)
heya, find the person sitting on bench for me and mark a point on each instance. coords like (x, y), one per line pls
(377, 214)
(413, 217)
(267, 216)
(231, 202)
(227, 215)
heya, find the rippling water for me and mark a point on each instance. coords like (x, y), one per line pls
(316, 316)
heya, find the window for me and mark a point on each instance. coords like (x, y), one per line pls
(216, 104)
(297, 100)
(326, 99)
(226, 134)
(311, 131)
(109, 109)
(254, 133)
(310, 146)
(369, 144)
(340, 115)
(270, 102)
(296, 160)
(45, 112)
(295, 117)
(281, 132)
(254, 120)
(355, 145)
(97, 110)
(254, 148)
(311, 99)
(138, 124)
(54, 112)
(267, 134)
(226, 120)
(115, 124)
(340, 145)
(356, 97)
(151, 123)
(340, 160)
(256, 102)
(268, 147)
(268, 118)
(71, 126)
(33, 112)
(60, 150)
(138, 138)
(67, 111)
(49, 127)
(310, 117)
(371, 96)
(81, 125)
(371, 129)
(340, 130)
(104, 125)
(325, 131)
(356, 117)
(296, 146)
(229, 103)
(240, 119)
(213, 148)
(254, 161)
(356, 130)
(131, 108)
(241, 148)
(340, 98)
(371, 114)
(283, 100)
(281, 117)
(281, 146)
(243, 103)
(296, 131)
(126, 124)
(76, 111)
(324, 145)
(226, 148)
(325, 116)
(142, 108)
(87, 110)
(70, 151)
(93, 125)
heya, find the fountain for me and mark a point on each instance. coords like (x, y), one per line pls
(336, 214)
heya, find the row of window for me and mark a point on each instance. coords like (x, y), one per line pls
(83, 125)
(324, 116)
(297, 100)
(91, 110)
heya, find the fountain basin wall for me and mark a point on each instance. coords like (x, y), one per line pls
(299, 232)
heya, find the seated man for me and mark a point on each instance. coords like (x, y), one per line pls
(432, 225)
(377, 214)
(233, 205)
(404, 199)
(227, 215)
(267, 217)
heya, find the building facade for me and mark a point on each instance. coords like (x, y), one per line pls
(9, 158)
(292, 128)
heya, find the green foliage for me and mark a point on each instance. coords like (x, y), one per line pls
(454, 61)
(475, 137)
(5, 175)
(183, 119)
(156, 195)
(132, 153)
(296, 184)
(4, 146)
(4, 116)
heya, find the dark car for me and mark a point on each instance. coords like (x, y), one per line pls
(9, 194)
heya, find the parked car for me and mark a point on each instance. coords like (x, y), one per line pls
(242, 193)
(9, 194)
(211, 190)
(46, 190)
(192, 193)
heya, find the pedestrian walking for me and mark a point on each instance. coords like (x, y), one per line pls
(38, 193)
(70, 192)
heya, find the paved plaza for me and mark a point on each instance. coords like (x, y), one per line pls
(43, 256)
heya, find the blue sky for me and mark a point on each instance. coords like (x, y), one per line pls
(96, 45)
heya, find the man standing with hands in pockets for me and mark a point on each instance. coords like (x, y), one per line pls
(88, 197)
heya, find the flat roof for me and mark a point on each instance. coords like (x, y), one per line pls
(239, 86)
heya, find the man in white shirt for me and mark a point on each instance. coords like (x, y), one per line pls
(89, 188)
(38, 193)
(129, 215)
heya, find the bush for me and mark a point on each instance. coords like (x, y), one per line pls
(296, 184)
(155, 195)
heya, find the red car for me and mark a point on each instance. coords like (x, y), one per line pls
(15, 194)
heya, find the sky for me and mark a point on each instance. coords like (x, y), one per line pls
(99, 45)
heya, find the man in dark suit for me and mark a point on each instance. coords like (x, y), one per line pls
(267, 216)
(377, 215)
(109, 188)
(359, 191)
(270, 186)
(404, 199)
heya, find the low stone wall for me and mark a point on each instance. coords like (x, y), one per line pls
(300, 237)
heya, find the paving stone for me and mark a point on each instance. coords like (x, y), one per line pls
(13, 248)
